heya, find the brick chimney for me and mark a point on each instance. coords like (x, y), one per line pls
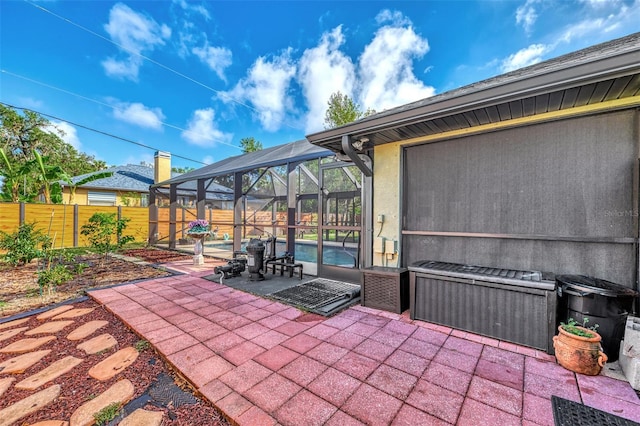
(161, 166)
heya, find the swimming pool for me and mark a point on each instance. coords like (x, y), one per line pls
(308, 252)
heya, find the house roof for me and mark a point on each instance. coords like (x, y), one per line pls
(269, 157)
(605, 72)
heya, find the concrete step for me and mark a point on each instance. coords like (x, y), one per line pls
(53, 312)
(120, 392)
(53, 371)
(86, 330)
(26, 345)
(73, 313)
(115, 364)
(49, 328)
(18, 364)
(28, 405)
(98, 344)
(142, 417)
(8, 334)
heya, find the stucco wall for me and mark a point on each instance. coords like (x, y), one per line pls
(386, 198)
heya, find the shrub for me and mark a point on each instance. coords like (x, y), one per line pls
(53, 276)
(24, 245)
(102, 229)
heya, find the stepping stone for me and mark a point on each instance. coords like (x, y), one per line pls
(120, 392)
(19, 364)
(8, 334)
(74, 313)
(13, 323)
(49, 328)
(142, 417)
(51, 423)
(98, 344)
(57, 369)
(26, 345)
(28, 405)
(54, 312)
(86, 330)
(5, 384)
(116, 363)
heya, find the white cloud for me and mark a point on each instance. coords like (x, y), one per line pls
(202, 130)
(70, 133)
(140, 159)
(208, 159)
(524, 57)
(28, 102)
(395, 18)
(139, 114)
(216, 58)
(266, 88)
(526, 15)
(386, 68)
(324, 70)
(136, 34)
(190, 7)
(608, 18)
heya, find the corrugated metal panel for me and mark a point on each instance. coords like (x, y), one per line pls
(633, 88)
(570, 96)
(601, 91)
(482, 115)
(516, 109)
(492, 112)
(584, 95)
(555, 101)
(523, 316)
(542, 103)
(617, 88)
(504, 112)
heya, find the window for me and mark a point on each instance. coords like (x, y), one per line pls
(102, 198)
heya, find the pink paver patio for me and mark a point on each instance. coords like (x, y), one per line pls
(260, 363)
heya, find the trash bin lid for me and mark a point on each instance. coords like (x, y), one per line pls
(589, 285)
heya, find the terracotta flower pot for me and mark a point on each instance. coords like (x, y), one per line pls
(579, 354)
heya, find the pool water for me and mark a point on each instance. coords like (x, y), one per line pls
(308, 252)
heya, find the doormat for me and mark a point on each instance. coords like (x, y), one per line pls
(321, 296)
(570, 413)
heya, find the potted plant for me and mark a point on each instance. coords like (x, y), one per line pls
(578, 348)
(198, 229)
(199, 226)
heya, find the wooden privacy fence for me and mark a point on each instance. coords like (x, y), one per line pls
(63, 222)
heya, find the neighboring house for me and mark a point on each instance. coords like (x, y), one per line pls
(127, 186)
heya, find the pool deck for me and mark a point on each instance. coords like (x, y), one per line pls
(265, 363)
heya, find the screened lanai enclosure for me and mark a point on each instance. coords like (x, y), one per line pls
(299, 194)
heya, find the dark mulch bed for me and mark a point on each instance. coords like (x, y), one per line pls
(157, 255)
(78, 387)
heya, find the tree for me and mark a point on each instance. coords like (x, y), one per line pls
(48, 177)
(250, 144)
(12, 175)
(23, 134)
(182, 169)
(342, 110)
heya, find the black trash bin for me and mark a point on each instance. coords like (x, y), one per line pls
(602, 302)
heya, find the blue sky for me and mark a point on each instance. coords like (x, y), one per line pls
(193, 78)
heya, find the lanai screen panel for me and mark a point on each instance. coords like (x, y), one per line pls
(545, 186)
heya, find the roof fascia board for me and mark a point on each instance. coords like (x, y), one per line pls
(552, 80)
